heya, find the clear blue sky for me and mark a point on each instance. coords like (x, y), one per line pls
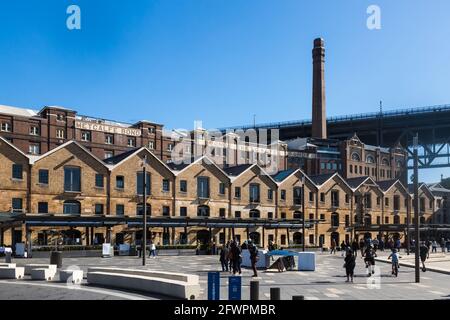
(221, 61)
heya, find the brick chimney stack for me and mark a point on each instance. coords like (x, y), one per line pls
(319, 118)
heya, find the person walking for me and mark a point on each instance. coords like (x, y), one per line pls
(343, 248)
(224, 258)
(236, 256)
(395, 261)
(361, 246)
(152, 250)
(443, 245)
(333, 246)
(355, 247)
(253, 250)
(423, 255)
(369, 259)
(428, 244)
(349, 265)
(434, 246)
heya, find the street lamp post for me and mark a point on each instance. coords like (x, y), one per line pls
(303, 215)
(144, 233)
(416, 207)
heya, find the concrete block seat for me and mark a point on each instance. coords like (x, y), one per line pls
(177, 285)
(8, 265)
(306, 261)
(74, 276)
(42, 274)
(30, 267)
(12, 273)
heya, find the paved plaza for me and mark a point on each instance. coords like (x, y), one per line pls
(327, 282)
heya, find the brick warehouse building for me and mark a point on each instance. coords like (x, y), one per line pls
(69, 189)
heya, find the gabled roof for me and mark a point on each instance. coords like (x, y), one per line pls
(320, 180)
(355, 183)
(281, 176)
(421, 186)
(201, 159)
(385, 186)
(177, 166)
(237, 170)
(116, 161)
(36, 159)
(14, 147)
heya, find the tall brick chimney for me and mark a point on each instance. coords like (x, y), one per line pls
(319, 118)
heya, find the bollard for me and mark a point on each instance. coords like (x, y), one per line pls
(254, 290)
(298, 298)
(8, 257)
(275, 294)
(56, 258)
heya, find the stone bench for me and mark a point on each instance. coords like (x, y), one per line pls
(12, 273)
(175, 285)
(30, 267)
(42, 274)
(77, 276)
(8, 265)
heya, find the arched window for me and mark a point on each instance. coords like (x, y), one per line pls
(298, 215)
(255, 214)
(335, 219)
(298, 238)
(370, 159)
(385, 162)
(203, 211)
(356, 157)
(396, 219)
(72, 207)
(367, 219)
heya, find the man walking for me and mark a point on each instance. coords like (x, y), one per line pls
(253, 256)
(224, 258)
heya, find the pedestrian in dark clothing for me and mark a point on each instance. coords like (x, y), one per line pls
(253, 256)
(423, 255)
(224, 258)
(362, 244)
(355, 247)
(236, 256)
(349, 265)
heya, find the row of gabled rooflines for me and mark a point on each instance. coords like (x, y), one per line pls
(232, 173)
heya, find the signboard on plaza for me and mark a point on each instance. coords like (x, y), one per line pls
(234, 288)
(213, 285)
(101, 127)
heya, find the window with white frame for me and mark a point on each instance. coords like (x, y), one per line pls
(151, 145)
(33, 149)
(131, 142)
(34, 131)
(5, 126)
(85, 135)
(60, 133)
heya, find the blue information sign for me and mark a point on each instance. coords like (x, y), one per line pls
(234, 288)
(213, 285)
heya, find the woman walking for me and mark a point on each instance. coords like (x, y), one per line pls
(349, 265)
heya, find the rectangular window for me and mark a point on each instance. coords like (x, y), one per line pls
(34, 149)
(347, 198)
(422, 204)
(297, 196)
(378, 201)
(322, 197)
(131, 142)
(283, 239)
(17, 205)
(99, 180)
(120, 209)
(311, 196)
(237, 192)
(5, 127)
(166, 185)
(254, 193)
(386, 202)
(283, 195)
(98, 208)
(283, 215)
(237, 214)
(222, 212)
(335, 198)
(368, 200)
(43, 176)
(183, 211)
(166, 211)
(72, 179)
(351, 168)
(396, 203)
(42, 207)
(85, 136)
(109, 154)
(347, 220)
(270, 194)
(311, 239)
(120, 182)
(151, 130)
(109, 139)
(34, 131)
(270, 215)
(378, 220)
(183, 186)
(322, 216)
(322, 165)
(222, 188)
(140, 183)
(203, 187)
(386, 220)
(151, 145)
(17, 171)
(170, 147)
(311, 216)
